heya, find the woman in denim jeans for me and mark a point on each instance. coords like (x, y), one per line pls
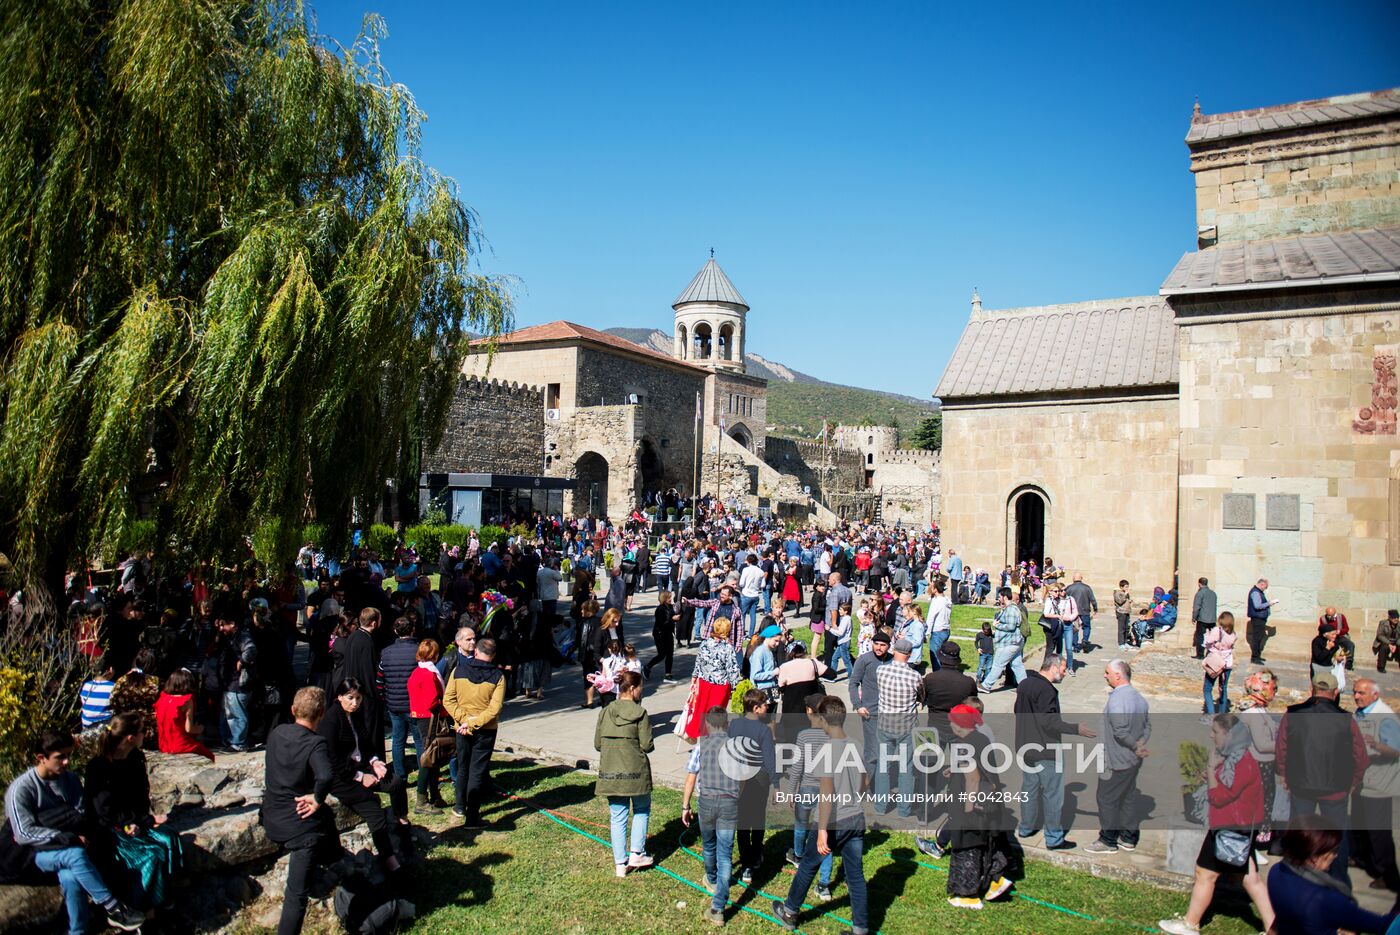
(623, 740)
(1219, 645)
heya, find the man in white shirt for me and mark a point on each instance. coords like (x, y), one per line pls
(940, 622)
(750, 591)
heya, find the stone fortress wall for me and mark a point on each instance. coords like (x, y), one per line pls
(493, 427)
(807, 461)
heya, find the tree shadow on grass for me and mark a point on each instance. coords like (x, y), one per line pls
(449, 881)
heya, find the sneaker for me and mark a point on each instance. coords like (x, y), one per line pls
(425, 807)
(713, 916)
(668, 681)
(930, 847)
(1065, 845)
(1125, 846)
(999, 885)
(128, 920)
(458, 812)
(640, 861)
(965, 902)
(747, 876)
(1099, 847)
(620, 869)
(824, 891)
(784, 915)
(1178, 926)
(710, 886)
(792, 858)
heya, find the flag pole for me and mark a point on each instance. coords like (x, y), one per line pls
(695, 486)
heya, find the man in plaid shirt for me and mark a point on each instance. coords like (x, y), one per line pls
(719, 808)
(901, 694)
(723, 606)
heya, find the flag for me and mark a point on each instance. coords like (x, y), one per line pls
(697, 409)
(822, 436)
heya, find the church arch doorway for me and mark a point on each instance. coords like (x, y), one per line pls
(651, 473)
(1028, 525)
(741, 435)
(591, 490)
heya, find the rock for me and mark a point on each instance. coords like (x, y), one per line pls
(227, 799)
(191, 800)
(36, 908)
(210, 779)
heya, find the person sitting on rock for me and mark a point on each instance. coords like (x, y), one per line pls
(360, 775)
(119, 804)
(43, 832)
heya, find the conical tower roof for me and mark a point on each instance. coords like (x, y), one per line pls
(710, 285)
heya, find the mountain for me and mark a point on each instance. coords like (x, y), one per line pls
(797, 401)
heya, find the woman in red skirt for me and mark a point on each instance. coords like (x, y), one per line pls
(716, 674)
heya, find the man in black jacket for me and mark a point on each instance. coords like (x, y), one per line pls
(396, 664)
(1038, 726)
(1321, 754)
(297, 778)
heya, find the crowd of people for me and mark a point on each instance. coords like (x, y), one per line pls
(432, 642)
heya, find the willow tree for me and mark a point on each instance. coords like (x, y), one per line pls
(228, 280)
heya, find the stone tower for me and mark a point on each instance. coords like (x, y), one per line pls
(710, 317)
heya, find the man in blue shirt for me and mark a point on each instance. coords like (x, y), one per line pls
(955, 575)
(1258, 610)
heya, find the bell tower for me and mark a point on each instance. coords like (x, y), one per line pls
(710, 316)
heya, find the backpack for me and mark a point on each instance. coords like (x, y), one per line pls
(1025, 623)
(363, 909)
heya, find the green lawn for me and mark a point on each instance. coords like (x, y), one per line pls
(536, 873)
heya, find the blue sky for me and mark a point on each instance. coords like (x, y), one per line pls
(858, 168)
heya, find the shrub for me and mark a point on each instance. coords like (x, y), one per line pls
(1193, 759)
(39, 680)
(486, 535)
(427, 537)
(381, 538)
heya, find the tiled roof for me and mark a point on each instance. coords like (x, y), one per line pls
(1111, 344)
(1310, 259)
(1207, 128)
(568, 331)
(710, 285)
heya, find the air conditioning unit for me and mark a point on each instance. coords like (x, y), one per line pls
(552, 415)
(633, 399)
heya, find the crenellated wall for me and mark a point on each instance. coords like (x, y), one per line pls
(493, 427)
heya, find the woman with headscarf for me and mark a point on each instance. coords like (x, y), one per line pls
(1259, 691)
(1236, 796)
(977, 867)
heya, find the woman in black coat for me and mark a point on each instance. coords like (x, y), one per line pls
(294, 811)
(355, 656)
(358, 774)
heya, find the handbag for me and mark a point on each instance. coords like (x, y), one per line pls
(441, 743)
(1232, 847)
(1214, 664)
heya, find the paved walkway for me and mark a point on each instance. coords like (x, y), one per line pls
(559, 730)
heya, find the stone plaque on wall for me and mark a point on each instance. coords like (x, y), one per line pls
(1239, 511)
(1281, 511)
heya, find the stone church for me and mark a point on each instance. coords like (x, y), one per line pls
(614, 420)
(1238, 424)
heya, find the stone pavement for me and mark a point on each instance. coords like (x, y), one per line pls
(559, 730)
